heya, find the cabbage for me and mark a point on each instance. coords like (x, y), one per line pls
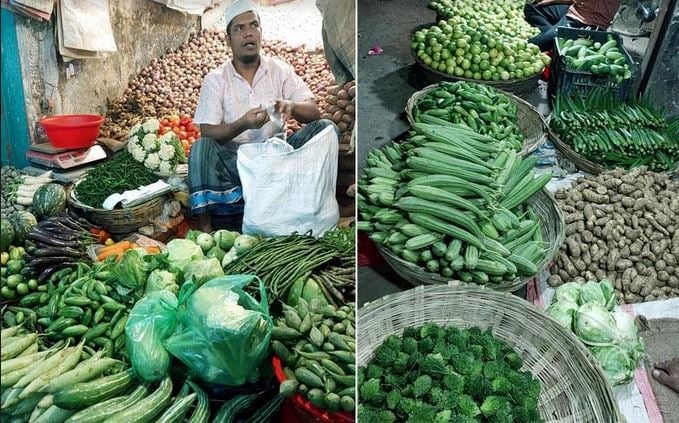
(595, 325)
(627, 334)
(617, 363)
(181, 251)
(229, 257)
(598, 293)
(131, 271)
(568, 292)
(203, 270)
(162, 279)
(205, 242)
(563, 312)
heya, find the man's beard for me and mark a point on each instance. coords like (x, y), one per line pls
(249, 58)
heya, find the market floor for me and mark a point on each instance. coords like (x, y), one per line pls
(386, 81)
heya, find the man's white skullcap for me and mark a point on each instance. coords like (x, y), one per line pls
(238, 8)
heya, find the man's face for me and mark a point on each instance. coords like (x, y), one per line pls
(245, 37)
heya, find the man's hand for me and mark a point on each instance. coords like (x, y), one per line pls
(255, 118)
(285, 107)
(667, 373)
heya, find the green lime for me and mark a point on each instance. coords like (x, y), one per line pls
(504, 75)
(477, 75)
(475, 67)
(459, 71)
(466, 64)
(427, 60)
(437, 48)
(468, 74)
(484, 64)
(450, 70)
(495, 76)
(476, 59)
(519, 73)
(486, 74)
(462, 43)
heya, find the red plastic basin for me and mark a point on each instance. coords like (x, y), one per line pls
(72, 131)
(304, 411)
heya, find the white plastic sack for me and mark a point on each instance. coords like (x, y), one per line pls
(287, 190)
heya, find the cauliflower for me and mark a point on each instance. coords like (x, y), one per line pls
(166, 152)
(169, 139)
(132, 144)
(152, 161)
(138, 153)
(150, 142)
(135, 129)
(151, 126)
(165, 167)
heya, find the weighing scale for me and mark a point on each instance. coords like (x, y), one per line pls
(67, 165)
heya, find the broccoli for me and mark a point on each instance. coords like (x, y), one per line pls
(431, 330)
(477, 386)
(466, 406)
(501, 385)
(435, 395)
(387, 352)
(400, 364)
(396, 381)
(493, 369)
(526, 415)
(422, 385)
(477, 350)
(446, 350)
(411, 332)
(426, 345)
(415, 358)
(463, 362)
(434, 365)
(514, 360)
(459, 418)
(371, 392)
(373, 371)
(423, 413)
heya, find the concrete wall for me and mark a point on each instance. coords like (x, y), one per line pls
(143, 29)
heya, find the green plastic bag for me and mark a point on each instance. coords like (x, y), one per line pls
(152, 319)
(224, 333)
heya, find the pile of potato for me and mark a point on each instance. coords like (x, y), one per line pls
(623, 226)
(171, 84)
(340, 107)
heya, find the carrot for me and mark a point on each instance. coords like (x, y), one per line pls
(153, 249)
(116, 246)
(116, 249)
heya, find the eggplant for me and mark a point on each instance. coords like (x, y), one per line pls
(48, 271)
(41, 261)
(49, 251)
(48, 239)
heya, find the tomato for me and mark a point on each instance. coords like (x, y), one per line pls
(176, 129)
(182, 135)
(191, 140)
(162, 130)
(164, 122)
(185, 143)
(185, 121)
(174, 119)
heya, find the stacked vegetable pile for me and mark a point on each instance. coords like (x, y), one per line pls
(301, 266)
(437, 374)
(623, 227)
(591, 312)
(503, 17)
(78, 384)
(17, 280)
(316, 344)
(616, 134)
(158, 152)
(340, 107)
(586, 55)
(480, 42)
(478, 106)
(183, 126)
(171, 84)
(18, 190)
(451, 200)
(115, 175)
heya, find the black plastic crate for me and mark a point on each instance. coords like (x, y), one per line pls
(568, 81)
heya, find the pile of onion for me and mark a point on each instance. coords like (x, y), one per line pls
(340, 107)
(171, 84)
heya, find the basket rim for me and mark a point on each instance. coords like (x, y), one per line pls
(512, 97)
(505, 286)
(77, 203)
(385, 303)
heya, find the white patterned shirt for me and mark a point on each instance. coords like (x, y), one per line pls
(225, 96)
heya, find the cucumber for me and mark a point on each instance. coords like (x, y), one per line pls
(179, 408)
(99, 412)
(83, 395)
(264, 414)
(201, 414)
(145, 410)
(228, 411)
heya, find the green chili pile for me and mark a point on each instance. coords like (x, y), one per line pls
(118, 174)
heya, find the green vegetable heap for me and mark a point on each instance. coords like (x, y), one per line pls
(437, 374)
(482, 40)
(586, 55)
(480, 107)
(615, 134)
(116, 175)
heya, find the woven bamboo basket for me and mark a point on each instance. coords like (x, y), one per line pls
(583, 163)
(551, 222)
(530, 121)
(119, 221)
(574, 389)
